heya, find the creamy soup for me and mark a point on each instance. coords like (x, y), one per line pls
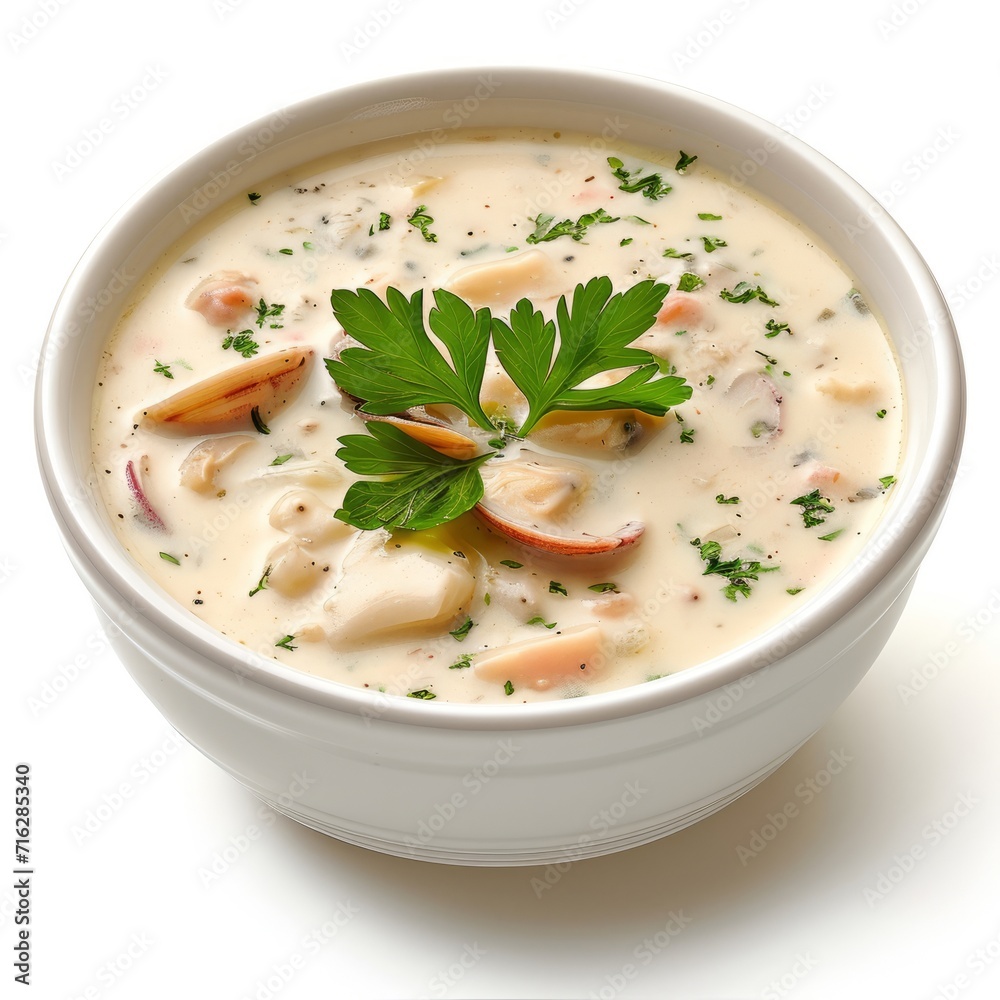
(261, 433)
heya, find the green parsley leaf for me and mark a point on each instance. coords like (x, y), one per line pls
(744, 292)
(594, 334)
(161, 369)
(539, 620)
(671, 252)
(737, 571)
(422, 221)
(399, 366)
(424, 488)
(625, 242)
(286, 643)
(511, 564)
(689, 282)
(464, 660)
(812, 504)
(709, 217)
(463, 630)
(384, 221)
(687, 435)
(167, 557)
(651, 186)
(281, 459)
(887, 481)
(288, 251)
(262, 583)
(794, 590)
(773, 328)
(604, 588)
(880, 414)
(555, 587)
(253, 197)
(242, 343)
(831, 536)
(422, 695)
(722, 498)
(265, 311)
(306, 245)
(712, 243)
(684, 162)
(545, 231)
(508, 688)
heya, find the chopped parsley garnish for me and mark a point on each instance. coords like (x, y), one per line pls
(508, 688)
(422, 221)
(745, 292)
(555, 587)
(258, 421)
(253, 197)
(887, 481)
(422, 695)
(671, 252)
(812, 505)
(167, 557)
(463, 630)
(794, 590)
(288, 251)
(767, 357)
(281, 459)
(547, 229)
(773, 328)
(604, 588)
(687, 435)
(689, 282)
(651, 186)
(399, 367)
(722, 498)
(265, 312)
(625, 242)
(384, 221)
(684, 161)
(242, 343)
(709, 217)
(306, 245)
(286, 643)
(712, 243)
(511, 564)
(737, 571)
(880, 414)
(831, 536)
(710, 380)
(161, 369)
(539, 620)
(262, 582)
(463, 661)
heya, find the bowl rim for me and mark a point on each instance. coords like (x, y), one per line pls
(908, 521)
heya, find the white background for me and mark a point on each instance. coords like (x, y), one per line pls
(886, 884)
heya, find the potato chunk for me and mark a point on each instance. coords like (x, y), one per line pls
(576, 653)
(505, 281)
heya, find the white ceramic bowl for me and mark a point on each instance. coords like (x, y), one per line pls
(534, 783)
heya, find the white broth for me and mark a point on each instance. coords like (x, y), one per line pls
(217, 424)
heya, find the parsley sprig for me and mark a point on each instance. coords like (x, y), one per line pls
(651, 186)
(547, 229)
(737, 571)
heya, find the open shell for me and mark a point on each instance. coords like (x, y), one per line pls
(227, 399)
